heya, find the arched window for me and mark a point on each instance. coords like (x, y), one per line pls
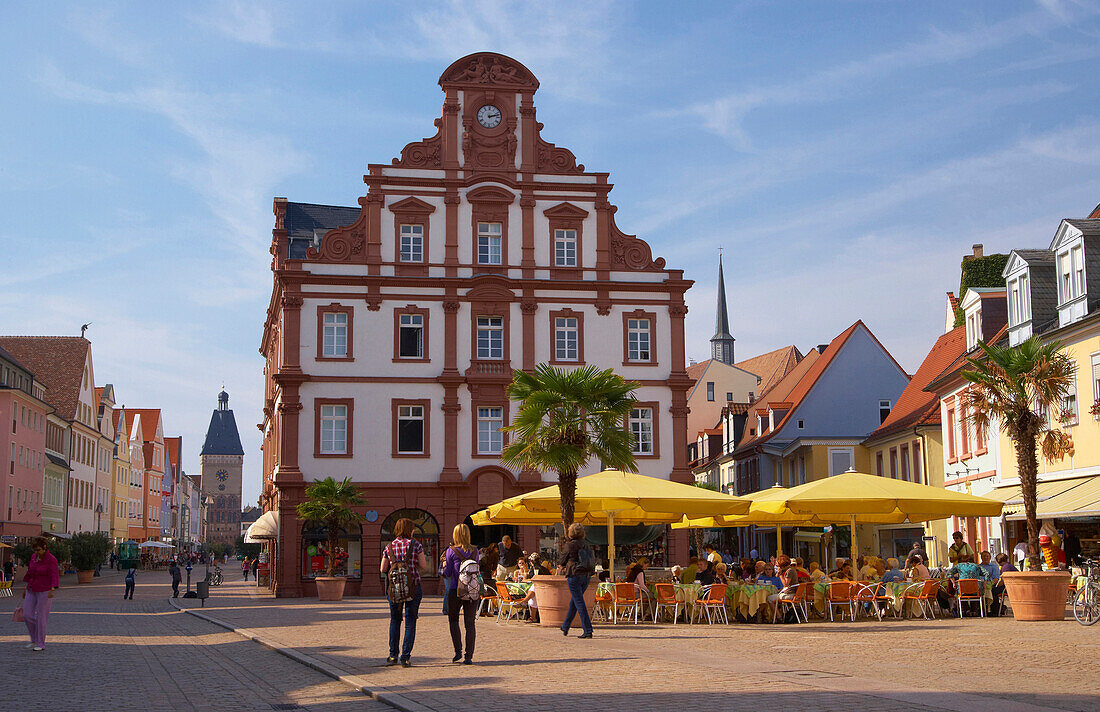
(426, 531)
(314, 545)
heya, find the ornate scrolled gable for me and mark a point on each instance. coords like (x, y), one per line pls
(343, 244)
(488, 69)
(425, 153)
(629, 252)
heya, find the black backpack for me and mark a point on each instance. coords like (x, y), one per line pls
(586, 561)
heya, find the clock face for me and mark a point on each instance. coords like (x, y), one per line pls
(222, 475)
(489, 116)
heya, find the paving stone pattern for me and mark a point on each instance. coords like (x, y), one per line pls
(968, 665)
(105, 653)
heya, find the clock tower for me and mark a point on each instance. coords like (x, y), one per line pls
(221, 463)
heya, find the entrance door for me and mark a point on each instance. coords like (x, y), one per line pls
(482, 537)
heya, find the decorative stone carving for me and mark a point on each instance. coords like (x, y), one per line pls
(451, 307)
(490, 152)
(427, 153)
(628, 252)
(342, 244)
(488, 69)
(678, 311)
(292, 301)
(529, 306)
(553, 159)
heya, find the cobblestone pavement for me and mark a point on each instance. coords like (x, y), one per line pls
(968, 665)
(104, 653)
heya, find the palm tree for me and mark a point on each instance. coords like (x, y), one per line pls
(1019, 386)
(330, 503)
(567, 417)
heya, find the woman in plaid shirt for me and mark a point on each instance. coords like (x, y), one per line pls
(404, 551)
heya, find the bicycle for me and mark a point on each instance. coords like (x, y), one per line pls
(216, 577)
(1086, 604)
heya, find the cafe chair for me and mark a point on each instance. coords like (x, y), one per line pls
(872, 595)
(604, 603)
(839, 593)
(489, 598)
(666, 598)
(509, 606)
(924, 593)
(797, 601)
(625, 598)
(970, 590)
(712, 598)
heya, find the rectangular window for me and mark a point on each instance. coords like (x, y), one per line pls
(490, 337)
(412, 243)
(335, 334)
(840, 460)
(566, 339)
(710, 390)
(490, 439)
(878, 463)
(904, 462)
(893, 463)
(565, 248)
(883, 411)
(489, 236)
(410, 429)
(641, 427)
(1069, 401)
(1077, 254)
(801, 470)
(950, 425)
(637, 340)
(334, 429)
(411, 335)
(918, 467)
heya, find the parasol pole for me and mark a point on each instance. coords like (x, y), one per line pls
(778, 540)
(855, 541)
(611, 544)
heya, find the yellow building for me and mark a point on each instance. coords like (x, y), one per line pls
(120, 471)
(1053, 293)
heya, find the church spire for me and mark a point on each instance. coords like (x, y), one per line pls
(721, 344)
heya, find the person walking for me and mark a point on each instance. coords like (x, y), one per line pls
(174, 570)
(402, 561)
(576, 565)
(131, 578)
(41, 579)
(244, 568)
(255, 565)
(462, 593)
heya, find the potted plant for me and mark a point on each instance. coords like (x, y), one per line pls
(330, 503)
(1018, 386)
(565, 418)
(88, 550)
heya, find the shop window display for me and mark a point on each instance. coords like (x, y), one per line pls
(349, 557)
(425, 531)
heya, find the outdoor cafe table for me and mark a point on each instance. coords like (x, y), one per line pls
(748, 597)
(895, 591)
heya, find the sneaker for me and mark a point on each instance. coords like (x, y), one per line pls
(467, 661)
(406, 663)
(391, 660)
(29, 646)
(585, 635)
(456, 658)
(37, 648)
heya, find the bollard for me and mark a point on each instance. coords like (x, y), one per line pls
(202, 589)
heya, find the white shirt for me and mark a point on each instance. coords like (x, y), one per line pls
(1020, 551)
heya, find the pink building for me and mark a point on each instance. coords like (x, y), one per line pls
(23, 415)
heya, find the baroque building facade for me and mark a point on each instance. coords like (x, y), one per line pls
(394, 327)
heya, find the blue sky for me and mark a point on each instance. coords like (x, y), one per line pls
(844, 154)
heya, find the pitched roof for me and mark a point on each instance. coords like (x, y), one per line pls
(1095, 212)
(721, 315)
(149, 419)
(221, 436)
(1036, 257)
(696, 370)
(772, 367)
(302, 219)
(916, 406)
(953, 368)
(1089, 226)
(59, 362)
(174, 445)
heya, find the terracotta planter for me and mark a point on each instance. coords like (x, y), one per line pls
(330, 588)
(1037, 595)
(552, 596)
(85, 576)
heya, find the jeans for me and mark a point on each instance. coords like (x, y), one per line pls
(129, 593)
(245, 572)
(409, 609)
(577, 586)
(36, 611)
(175, 588)
(469, 615)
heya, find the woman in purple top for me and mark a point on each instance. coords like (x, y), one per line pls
(460, 550)
(41, 580)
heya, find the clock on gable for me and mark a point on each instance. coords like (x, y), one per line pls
(222, 475)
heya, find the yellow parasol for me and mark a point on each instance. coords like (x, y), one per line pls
(614, 497)
(859, 497)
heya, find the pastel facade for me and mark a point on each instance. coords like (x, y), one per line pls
(120, 491)
(23, 460)
(149, 477)
(394, 327)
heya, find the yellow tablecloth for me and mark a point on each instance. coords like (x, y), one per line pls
(748, 597)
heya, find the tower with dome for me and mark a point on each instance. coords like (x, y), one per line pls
(221, 464)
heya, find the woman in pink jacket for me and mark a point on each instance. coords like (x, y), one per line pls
(41, 580)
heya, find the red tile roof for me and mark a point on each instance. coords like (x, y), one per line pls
(781, 390)
(173, 445)
(916, 406)
(771, 367)
(149, 419)
(58, 361)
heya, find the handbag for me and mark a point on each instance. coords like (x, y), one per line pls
(17, 615)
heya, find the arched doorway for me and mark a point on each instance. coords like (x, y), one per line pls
(425, 531)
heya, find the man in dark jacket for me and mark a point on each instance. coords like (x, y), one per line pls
(174, 570)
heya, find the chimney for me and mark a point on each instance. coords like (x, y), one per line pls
(977, 252)
(821, 348)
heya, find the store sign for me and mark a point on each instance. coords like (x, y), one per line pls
(7, 537)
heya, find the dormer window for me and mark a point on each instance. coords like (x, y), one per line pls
(1019, 300)
(1071, 274)
(973, 329)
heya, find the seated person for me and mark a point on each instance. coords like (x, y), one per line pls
(993, 571)
(816, 574)
(915, 569)
(758, 570)
(537, 566)
(838, 564)
(787, 580)
(635, 573)
(879, 570)
(894, 573)
(712, 555)
(868, 571)
(748, 570)
(706, 576)
(800, 569)
(603, 572)
(677, 572)
(689, 574)
(964, 568)
(1004, 564)
(532, 605)
(767, 576)
(720, 574)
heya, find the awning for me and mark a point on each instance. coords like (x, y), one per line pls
(1044, 491)
(264, 528)
(1082, 499)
